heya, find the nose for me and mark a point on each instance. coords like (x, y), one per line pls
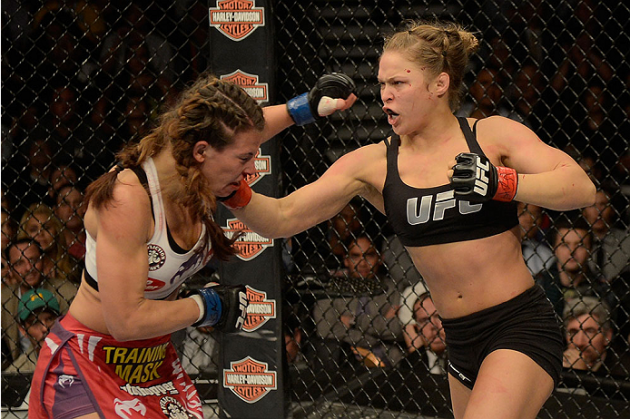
(250, 168)
(580, 340)
(386, 94)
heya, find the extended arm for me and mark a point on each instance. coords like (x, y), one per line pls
(313, 203)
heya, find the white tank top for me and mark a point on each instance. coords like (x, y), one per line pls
(167, 268)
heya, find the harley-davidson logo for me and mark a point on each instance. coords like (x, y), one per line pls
(249, 83)
(263, 167)
(249, 379)
(237, 19)
(250, 244)
(259, 310)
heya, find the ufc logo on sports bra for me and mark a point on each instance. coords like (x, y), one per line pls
(443, 201)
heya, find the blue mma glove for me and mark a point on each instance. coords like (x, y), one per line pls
(224, 307)
(321, 100)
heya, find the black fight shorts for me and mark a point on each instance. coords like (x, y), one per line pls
(527, 324)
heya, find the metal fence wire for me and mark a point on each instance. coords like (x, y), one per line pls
(82, 78)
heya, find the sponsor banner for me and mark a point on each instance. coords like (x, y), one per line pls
(249, 379)
(236, 19)
(249, 245)
(252, 382)
(250, 83)
(259, 311)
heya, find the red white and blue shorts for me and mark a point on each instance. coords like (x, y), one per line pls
(80, 371)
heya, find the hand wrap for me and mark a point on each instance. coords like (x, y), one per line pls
(475, 179)
(239, 198)
(224, 307)
(321, 100)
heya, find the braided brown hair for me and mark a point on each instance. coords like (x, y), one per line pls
(438, 46)
(211, 110)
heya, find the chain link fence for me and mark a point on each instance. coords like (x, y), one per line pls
(80, 79)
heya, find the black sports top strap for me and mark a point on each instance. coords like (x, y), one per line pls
(471, 136)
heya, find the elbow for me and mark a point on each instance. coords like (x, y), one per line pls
(122, 330)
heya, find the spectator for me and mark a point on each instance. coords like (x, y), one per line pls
(589, 335)
(343, 227)
(62, 174)
(524, 95)
(70, 211)
(200, 351)
(25, 261)
(37, 312)
(423, 332)
(611, 247)
(399, 265)
(86, 14)
(9, 229)
(60, 49)
(31, 183)
(66, 128)
(571, 277)
(40, 224)
(485, 96)
(538, 256)
(364, 329)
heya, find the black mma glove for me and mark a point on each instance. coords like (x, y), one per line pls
(320, 101)
(475, 179)
(223, 307)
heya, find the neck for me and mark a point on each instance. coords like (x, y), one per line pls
(434, 134)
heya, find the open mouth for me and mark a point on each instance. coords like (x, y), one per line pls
(391, 116)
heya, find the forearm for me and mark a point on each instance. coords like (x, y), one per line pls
(277, 119)
(284, 217)
(565, 188)
(152, 318)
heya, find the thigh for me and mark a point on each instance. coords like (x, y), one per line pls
(459, 396)
(510, 385)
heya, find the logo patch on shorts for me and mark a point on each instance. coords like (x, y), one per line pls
(65, 381)
(157, 257)
(123, 408)
(173, 409)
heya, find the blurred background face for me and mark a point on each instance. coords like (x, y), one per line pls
(529, 217)
(7, 230)
(38, 326)
(485, 89)
(572, 249)
(429, 325)
(599, 215)
(39, 229)
(62, 176)
(585, 334)
(70, 209)
(5, 269)
(25, 260)
(362, 260)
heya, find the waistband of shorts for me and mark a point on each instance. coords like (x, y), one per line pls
(71, 324)
(524, 299)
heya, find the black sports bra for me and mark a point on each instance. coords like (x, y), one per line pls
(423, 217)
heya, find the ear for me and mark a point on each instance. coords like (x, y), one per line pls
(440, 85)
(199, 151)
